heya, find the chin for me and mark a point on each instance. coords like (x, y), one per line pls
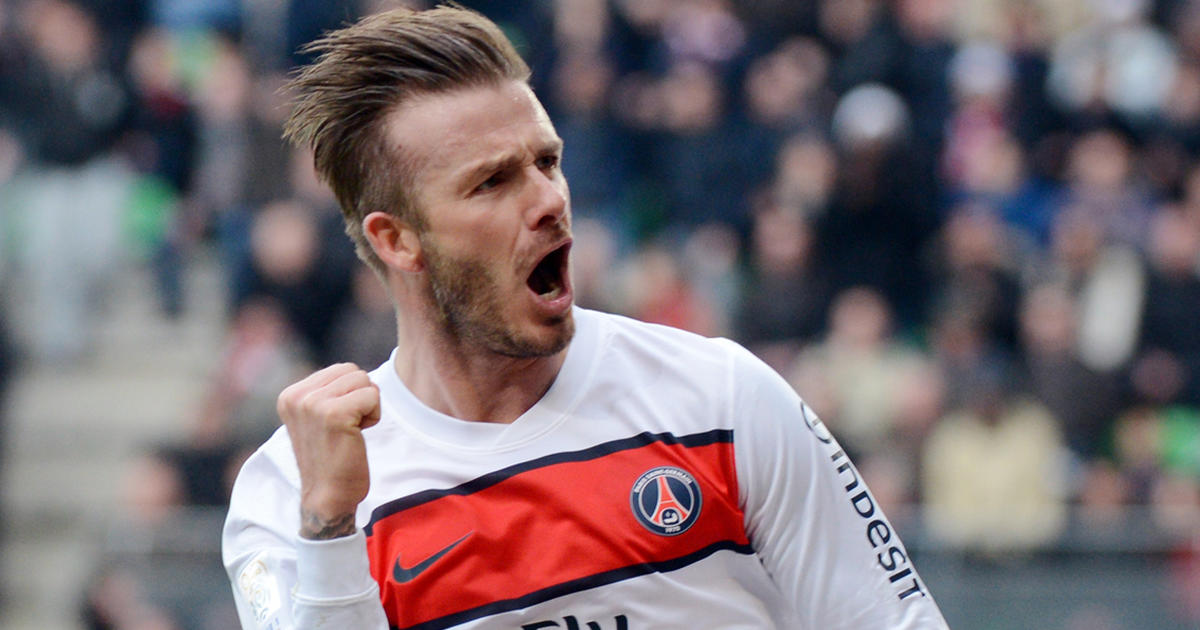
(548, 339)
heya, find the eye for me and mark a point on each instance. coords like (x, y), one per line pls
(548, 162)
(495, 180)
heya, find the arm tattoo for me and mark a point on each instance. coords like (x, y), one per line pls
(314, 527)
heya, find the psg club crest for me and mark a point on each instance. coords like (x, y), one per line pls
(666, 500)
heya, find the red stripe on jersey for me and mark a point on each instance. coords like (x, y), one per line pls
(544, 530)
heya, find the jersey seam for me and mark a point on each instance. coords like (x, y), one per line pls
(730, 405)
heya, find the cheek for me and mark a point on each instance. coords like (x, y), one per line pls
(488, 262)
(490, 235)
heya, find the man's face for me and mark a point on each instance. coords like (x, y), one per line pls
(497, 216)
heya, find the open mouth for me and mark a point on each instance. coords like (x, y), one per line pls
(548, 279)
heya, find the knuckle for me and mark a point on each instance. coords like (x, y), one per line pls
(286, 401)
(313, 404)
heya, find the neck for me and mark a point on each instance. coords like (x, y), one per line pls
(465, 381)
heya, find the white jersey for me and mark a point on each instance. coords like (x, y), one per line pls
(664, 481)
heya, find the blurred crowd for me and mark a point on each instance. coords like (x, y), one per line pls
(967, 231)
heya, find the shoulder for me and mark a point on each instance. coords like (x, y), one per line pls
(658, 353)
(652, 342)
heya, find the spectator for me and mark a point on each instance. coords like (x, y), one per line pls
(923, 75)
(878, 219)
(161, 145)
(970, 359)
(1167, 369)
(854, 375)
(1083, 401)
(702, 178)
(784, 94)
(710, 256)
(786, 299)
(594, 264)
(261, 355)
(1117, 67)
(299, 262)
(240, 157)
(805, 175)
(1107, 281)
(863, 40)
(657, 290)
(1100, 182)
(992, 475)
(364, 331)
(72, 107)
(600, 160)
(976, 273)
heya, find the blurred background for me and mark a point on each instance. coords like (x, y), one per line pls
(967, 231)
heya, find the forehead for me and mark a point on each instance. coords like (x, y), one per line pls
(442, 135)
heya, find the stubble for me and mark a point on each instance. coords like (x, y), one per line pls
(470, 308)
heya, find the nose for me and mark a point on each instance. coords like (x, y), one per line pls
(549, 202)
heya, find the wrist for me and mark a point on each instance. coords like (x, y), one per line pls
(325, 522)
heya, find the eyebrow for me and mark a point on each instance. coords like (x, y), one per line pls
(506, 161)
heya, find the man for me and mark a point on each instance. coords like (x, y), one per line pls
(519, 462)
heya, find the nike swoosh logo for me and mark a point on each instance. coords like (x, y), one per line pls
(402, 574)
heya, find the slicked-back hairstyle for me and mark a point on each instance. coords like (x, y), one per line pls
(368, 70)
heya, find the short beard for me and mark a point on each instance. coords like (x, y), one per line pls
(469, 308)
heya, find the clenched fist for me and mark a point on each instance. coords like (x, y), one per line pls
(325, 415)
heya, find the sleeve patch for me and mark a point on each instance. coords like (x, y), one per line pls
(261, 591)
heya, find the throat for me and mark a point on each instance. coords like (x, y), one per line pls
(464, 383)
(545, 285)
(546, 279)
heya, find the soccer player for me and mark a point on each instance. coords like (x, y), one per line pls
(519, 462)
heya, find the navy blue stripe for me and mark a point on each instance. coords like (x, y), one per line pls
(581, 584)
(600, 450)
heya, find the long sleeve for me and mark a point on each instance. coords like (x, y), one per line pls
(817, 529)
(281, 581)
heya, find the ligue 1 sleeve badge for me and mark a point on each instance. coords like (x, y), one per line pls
(666, 500)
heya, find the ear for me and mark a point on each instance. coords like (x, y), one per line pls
(394, 240)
